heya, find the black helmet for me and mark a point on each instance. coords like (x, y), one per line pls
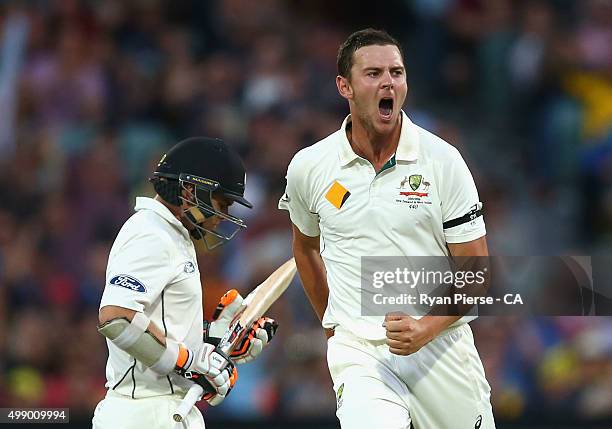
(210, 167)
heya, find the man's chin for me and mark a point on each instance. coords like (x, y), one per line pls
(386, 124)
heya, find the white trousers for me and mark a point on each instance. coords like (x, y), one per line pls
(121, 412)
(442, 386)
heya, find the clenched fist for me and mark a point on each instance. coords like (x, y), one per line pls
(406, 335)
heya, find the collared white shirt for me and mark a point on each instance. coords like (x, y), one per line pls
(152, 268)
(401, 211)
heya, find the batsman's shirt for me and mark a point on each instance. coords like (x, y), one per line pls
(152, 268)
(423, 198)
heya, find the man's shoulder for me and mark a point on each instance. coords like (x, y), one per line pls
(146, 228)
(144, 220)
(436, 148)
(319, 153)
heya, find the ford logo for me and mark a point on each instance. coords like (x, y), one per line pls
(128, 282)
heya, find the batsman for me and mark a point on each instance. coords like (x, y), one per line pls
(151, 309)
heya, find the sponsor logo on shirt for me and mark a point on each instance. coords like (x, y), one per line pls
(337, 195)
(189, 267)
(128, 282)
(473, 213)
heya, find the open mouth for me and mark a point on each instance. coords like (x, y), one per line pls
(385, 107)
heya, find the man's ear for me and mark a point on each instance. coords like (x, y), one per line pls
(344, 87)
(187, 191)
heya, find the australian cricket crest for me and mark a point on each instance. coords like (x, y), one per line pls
(339, 395)
(414, 190)
(414, 181)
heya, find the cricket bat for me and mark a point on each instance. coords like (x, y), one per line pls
(253, 307)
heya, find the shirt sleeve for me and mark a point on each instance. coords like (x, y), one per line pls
(297, 200)
(137, 272)
(461, 208)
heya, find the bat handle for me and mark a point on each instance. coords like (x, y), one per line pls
(196, 391)
(193, 395)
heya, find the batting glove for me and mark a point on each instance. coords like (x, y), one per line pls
(216, 398)
(260, 335)
(210, 369)
(228, 307)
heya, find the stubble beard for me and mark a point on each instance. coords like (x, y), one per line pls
(365, 118)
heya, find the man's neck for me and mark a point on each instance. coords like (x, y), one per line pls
(367, 143)
(176, 211)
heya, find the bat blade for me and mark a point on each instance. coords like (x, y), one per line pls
(254, 306)
(257, 303)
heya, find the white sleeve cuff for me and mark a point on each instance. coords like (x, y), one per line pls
(167, 361)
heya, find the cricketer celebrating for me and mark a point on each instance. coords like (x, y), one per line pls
(151, 309)
(346, 197)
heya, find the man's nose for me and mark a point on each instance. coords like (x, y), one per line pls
(387, 81)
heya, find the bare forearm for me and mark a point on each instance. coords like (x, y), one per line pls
(469, 256)
(311, 269)
(314, 279)
(437, 324)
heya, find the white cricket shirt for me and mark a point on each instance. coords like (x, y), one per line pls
(152, 268)
(334, 193)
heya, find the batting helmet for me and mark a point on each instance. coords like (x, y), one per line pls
(205, 167)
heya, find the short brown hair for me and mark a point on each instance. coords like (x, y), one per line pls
(359, 39)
